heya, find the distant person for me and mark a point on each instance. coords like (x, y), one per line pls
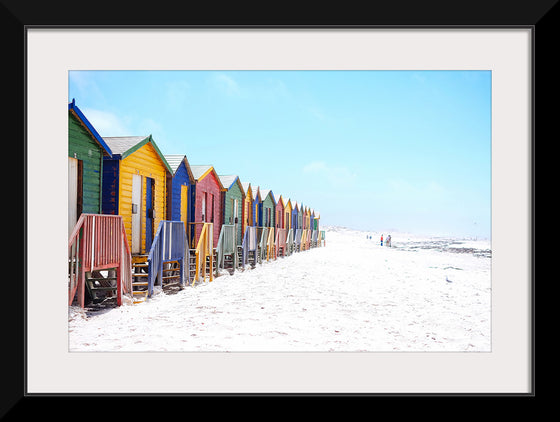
(388, 240)
(381, 240)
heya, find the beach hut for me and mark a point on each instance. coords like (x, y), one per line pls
(247, 206)
(232, 204)
(180, 198)
(288, 214)
(86, 150)
(308, 218)
(134, 186)
(256, 206)
(279, 218)
(99, 257)
(296, 226)
(301, 214)
(207, 207)
(295, 215)
(268, 208)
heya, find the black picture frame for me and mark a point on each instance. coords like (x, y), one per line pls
(16, 17)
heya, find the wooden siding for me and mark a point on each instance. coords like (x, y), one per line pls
(295, 219)
(83, 147)
(279, 222)
(267, 218)
(181, 178)
(248, 209)
(235, 193)
(288, 215)
(145, 162)
(209, 185)
(256, 207)
(110, 187)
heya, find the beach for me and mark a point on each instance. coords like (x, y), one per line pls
(421, 294)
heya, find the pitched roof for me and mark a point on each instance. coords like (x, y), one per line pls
(258, 190)
(265, 193)
(73, 108)
(228, 180)
(246, 186)
(122, 144)
(201, 171)
(175, 160)
(126, 145)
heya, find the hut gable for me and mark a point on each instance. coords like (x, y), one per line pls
(268, 208)
(247, 205)
(257, 206)
(80, 118)
(136, 177)
(288, 214)
(233, 201)
(208, 197)
(180, 198)
(295, 216)
(279, 217)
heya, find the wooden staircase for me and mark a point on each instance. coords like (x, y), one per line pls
(101, 287)
(214, 262)
(191, 265)
(139, 278)
(171, 278)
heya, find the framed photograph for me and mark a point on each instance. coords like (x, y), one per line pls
(58, 60)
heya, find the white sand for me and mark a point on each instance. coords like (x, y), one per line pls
(353, 295)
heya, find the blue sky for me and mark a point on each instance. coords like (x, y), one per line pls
(371, 150)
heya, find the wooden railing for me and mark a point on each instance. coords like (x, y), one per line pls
(262, 235)
(297, 239)
(290, 242)
(307, 239)
(270, 244)
(193, 233)
(280, 242)
(227, 245)
(204, 249)
(168, 245)
(98, 242)
(249, 244)
(304, 242)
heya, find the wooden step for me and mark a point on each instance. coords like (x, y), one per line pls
(101, 278)
(102, 288)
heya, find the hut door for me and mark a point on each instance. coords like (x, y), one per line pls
(136, 233)
(150, 212)
(184, 204)
(235, 217)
